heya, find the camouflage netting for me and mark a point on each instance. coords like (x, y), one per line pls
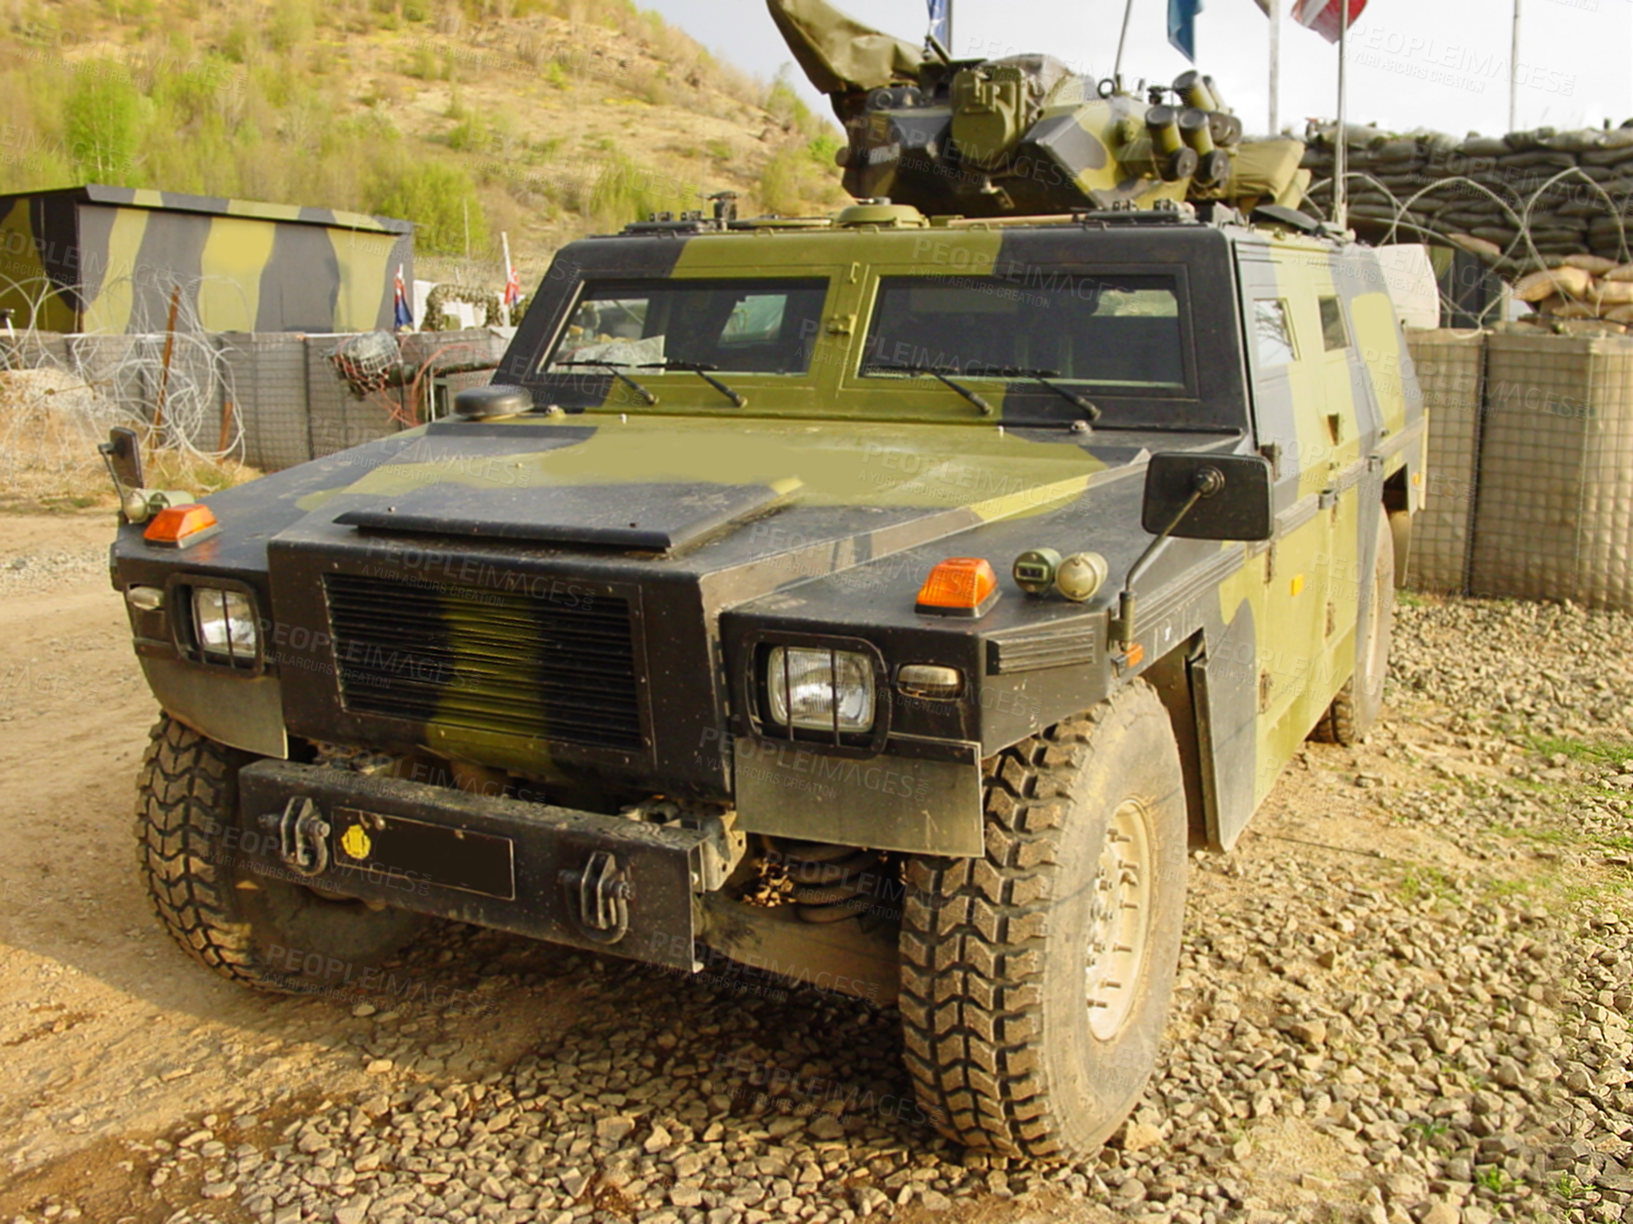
(1523, 202)
(437, 319)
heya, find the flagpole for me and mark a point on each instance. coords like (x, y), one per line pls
(1514, 73)
(504, 240)
(1275, 66)
(1340, 197)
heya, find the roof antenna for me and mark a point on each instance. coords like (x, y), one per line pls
(1122, 40)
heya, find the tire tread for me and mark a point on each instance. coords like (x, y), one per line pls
(971, 1020)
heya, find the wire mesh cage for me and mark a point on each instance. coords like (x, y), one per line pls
(366, 361)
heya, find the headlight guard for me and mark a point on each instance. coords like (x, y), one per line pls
(216, 622)
(822, 691)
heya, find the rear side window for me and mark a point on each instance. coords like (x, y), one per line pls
(1272, 332)
(1334, 335)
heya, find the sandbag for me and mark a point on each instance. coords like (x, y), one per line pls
(1568, 282)
(1598, 265)
(1614, 293)
(1475, 246)
(1574, 310)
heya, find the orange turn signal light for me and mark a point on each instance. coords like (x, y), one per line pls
(179, 526)
(959, 586)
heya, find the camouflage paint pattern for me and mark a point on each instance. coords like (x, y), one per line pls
(848, 489)
(109, 259)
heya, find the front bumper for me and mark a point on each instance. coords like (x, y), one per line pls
(602, 883)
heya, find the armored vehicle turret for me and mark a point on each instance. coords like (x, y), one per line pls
(1024, 134)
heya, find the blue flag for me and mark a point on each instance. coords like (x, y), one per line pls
(1182, 26)
(939, 16)
(402, 313)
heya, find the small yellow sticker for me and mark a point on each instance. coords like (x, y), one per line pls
(355, 842)
(1297, 583)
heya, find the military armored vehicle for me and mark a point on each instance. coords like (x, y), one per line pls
(884, 601)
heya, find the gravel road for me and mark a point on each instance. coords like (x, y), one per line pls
(1405, 997)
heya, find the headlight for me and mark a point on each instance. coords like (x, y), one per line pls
(820, 690)
(224, 624)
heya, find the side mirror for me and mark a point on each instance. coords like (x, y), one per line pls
(124, 456)
(1208, 497)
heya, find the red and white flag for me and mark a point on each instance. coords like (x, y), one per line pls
(1322, 16)
(513, 288)
(1326, 16)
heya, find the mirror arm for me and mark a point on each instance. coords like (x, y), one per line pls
(1122, 625)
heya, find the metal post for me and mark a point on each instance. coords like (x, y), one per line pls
(1340, 197)
(1514, 73)
(1275, 66)
(1117, 68)
(949, 27)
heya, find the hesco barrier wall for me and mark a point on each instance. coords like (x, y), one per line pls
(279, 387)
(1530, 467)
(1449, 367)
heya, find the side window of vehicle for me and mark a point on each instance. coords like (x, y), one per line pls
(1334, 335)
(1273, 333)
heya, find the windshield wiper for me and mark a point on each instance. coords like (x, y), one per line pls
(616, 368)
(1042, 377)
(701, 369)
(933, 372)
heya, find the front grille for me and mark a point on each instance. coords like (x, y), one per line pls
(557, 664)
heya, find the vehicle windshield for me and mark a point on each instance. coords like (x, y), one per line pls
(740, 326)
(1101, 330)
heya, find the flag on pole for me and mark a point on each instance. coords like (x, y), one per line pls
(1182, 26)
(513, 289)
(1322, 16)
(940, 16)
(403, 314)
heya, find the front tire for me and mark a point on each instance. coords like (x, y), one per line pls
(253, 929)
(1036, 979)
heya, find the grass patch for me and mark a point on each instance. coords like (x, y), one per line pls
(1582, 752)
(1423, 881)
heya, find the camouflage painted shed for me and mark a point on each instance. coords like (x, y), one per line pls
(109, 259)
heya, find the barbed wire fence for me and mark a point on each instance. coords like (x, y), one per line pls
(199, 400)
(1530, 224)
(165, 378)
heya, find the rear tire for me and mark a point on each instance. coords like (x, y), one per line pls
(1036, 979)
(252, 929)
(1354, 711)
(1400, 531)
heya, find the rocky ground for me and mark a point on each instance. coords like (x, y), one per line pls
(1404, 998)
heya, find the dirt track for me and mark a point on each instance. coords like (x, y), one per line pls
(1318, 958)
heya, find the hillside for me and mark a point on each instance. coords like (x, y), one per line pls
(548, 119)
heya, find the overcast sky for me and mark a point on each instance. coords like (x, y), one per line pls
(1441, 64)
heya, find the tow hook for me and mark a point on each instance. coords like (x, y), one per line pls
(303, 837)
(598, 897)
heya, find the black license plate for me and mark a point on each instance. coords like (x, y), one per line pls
(418, 851)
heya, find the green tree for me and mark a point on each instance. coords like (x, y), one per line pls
(440, 199)
(104, 117)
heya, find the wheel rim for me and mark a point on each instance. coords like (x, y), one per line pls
(1119, 920)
